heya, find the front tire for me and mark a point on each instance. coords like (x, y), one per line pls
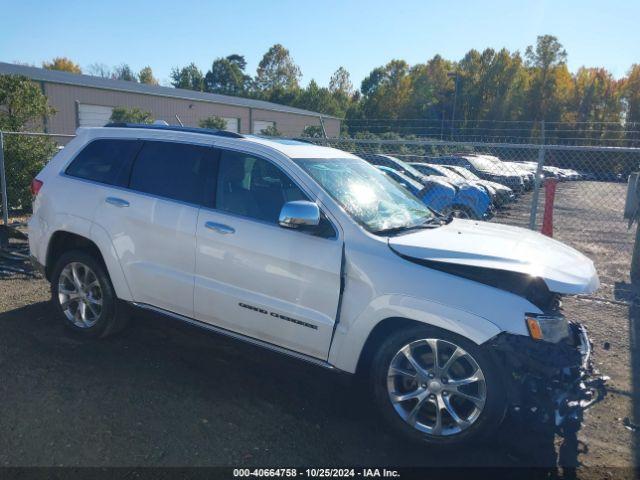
(83, 296)
(436, 387)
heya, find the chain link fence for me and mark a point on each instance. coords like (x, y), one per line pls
(22, 156)
(597, 174)
(589, 195)
(589, 198)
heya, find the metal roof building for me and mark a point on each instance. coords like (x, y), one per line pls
(84, 100)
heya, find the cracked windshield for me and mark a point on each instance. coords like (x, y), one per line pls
(369, 196)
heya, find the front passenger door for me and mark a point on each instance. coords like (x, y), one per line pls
(257, 278)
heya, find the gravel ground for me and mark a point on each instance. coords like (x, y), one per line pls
(163, 393)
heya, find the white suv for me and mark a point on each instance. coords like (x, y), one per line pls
(312, 252)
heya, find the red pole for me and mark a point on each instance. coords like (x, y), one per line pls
(549, 197)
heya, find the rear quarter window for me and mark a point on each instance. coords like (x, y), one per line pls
(105, 161)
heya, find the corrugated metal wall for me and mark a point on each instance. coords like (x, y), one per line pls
(65, 98)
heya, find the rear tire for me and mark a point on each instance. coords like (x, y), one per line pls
(429, 403)
(84, 298)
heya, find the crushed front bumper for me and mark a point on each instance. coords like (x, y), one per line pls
(550, 383)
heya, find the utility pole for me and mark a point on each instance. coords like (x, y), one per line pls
(455, 96)
(324, 130)
(536, 185)
(635, 259)
(631, 213)
(3, 184)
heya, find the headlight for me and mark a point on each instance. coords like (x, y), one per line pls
(547, 328)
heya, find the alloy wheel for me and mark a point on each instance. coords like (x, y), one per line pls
(80, 295)
(436, 386)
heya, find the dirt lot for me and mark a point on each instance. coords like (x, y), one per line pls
(168, 394)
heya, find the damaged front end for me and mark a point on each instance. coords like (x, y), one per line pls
(550, 384)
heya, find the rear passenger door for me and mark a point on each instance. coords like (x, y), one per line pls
(152, 222)
(257, 278)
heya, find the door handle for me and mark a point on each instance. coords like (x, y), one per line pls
(220, 228)
(117, 202)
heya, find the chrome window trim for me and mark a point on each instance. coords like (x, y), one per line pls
(63, 170)
(213, 146)
(130, 190)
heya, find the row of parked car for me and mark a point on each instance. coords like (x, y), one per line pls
(562, 174)
(465, 186)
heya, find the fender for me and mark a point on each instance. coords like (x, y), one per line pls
(61, 223)
(351, 336)
(477, 201)
(38, 232)
(89, 230)
(101, 238)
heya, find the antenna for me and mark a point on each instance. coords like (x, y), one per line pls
(179, 121)
(324, 132)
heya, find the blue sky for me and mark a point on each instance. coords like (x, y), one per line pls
(321, 35)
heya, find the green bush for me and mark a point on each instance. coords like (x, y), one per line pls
(22, 108)
(130, 115)
(313, 131)
(271, 131)
(24, 157)
(216, 123)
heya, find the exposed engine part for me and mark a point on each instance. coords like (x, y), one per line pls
(551, 384)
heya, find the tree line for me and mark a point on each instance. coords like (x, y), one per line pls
(485, 94)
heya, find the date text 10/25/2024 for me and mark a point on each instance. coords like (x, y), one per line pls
(316, 472)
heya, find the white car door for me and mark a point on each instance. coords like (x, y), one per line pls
(257, 278)
(152, 222)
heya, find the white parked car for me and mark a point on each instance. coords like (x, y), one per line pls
(314, 253)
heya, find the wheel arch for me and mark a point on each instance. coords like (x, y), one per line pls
(62, 241)
(377, 336)
(356, 339)
(385, 328)
(98, 244)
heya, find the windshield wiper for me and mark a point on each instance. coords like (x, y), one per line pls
(431, 222)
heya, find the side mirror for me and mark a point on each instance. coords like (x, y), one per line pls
(299, 214)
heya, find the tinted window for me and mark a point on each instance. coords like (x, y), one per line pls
(174, 170)
(252, 187)
(105, 161)
(256, 188)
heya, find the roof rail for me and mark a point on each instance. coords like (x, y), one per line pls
(176, 128)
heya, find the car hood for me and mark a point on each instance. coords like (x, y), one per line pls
(455, 181)
(497, 187)
(439, 181)
(502, 247)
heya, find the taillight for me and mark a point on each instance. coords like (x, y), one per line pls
(36, 185)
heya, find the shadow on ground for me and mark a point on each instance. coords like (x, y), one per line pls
(630, 293)
(166, 394)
